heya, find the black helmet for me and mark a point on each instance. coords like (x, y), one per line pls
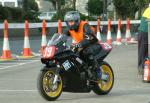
(72, 16)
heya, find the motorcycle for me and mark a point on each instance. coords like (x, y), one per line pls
(65, 71)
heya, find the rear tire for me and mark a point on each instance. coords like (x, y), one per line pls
(103, 87)
(45, 85)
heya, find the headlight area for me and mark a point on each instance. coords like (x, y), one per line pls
(49, 62)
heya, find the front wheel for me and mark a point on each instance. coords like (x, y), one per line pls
(103, 87)
(45, 85)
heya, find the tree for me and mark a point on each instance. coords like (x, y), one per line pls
(4, 13)
(74, 4)
(25, 5)
(128, 8)
(124, 8)
(57, 5)
(94, 7)
(33, 5)
(54, 3)
(30, 5)
(70, 4)
(30, 9)
(142, 4)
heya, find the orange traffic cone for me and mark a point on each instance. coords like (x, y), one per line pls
(6, 53)
(59, 26)
(44, 41)
(118, 39)
(109, 38)
(98, 31)
(128, 34)
(26, 50)
(147, 71)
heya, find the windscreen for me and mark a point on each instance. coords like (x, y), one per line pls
(60, 38)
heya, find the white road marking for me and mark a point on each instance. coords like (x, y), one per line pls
(18, 90)
(33, 61)
(2, 66)
(16, 80)
(24, 60)
(34, 90)
(8, 63)
(16, 62)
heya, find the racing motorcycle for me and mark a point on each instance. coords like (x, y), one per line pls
(65, 71)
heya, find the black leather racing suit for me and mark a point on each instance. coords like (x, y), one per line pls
(87, 44)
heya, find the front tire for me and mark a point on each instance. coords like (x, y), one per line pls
(103, 87)
(46, 88)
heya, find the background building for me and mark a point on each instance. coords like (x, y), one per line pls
(81, 5)
(44, 6)
(9, 3)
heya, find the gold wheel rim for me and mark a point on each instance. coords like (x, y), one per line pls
(47, 84)
(106, 85)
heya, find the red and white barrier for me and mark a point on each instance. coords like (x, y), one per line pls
(98, 31)
(59, 27)
(109, 38)
(44, 40)
(128, 38)
(55, 24)
(6, 53)
(27, 53)
(128, 33)
(118, 38)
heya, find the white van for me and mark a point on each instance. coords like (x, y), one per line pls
(46, 15)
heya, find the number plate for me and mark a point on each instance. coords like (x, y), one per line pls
(49, 52)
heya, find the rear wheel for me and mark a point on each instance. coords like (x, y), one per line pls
(46, 88)
(103, 87)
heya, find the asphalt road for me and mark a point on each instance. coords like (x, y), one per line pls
(18, 81)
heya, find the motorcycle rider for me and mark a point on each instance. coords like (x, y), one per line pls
(83, 37)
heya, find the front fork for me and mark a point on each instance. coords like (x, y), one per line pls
(56, 74)
(101, 75)
(104, 76)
